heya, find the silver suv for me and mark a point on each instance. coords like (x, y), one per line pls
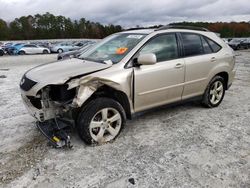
(124, 74)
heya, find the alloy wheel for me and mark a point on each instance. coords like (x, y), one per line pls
(216, 92)
(105, 125)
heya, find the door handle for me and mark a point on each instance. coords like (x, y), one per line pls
(213, 59)
(178, 65)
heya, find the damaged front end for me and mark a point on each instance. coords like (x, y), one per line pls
(56, 106)
(52, 107)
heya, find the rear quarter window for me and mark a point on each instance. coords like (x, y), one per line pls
(215, 47)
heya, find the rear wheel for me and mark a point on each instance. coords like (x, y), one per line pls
(1, 53)
(100, 121)
(214, 93)
(45, 52)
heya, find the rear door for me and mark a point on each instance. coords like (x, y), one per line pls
(162, 82)
(200, 58)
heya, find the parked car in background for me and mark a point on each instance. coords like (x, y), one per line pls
(125, 74)
(42, 44)
(236, 43)
(246, 43)
(32, 49)
(13, 50)
(62, 47)
(74, 53)
(4, 46)
(1, 52)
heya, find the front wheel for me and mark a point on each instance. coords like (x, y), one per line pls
(214, 93)
(60, 51)
(21, 53)
(101, 121)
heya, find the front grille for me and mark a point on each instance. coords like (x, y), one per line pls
(26, 84)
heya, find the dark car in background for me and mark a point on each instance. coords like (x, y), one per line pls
(236, 43)
(246, 43)
(5, 46)
(1, 52)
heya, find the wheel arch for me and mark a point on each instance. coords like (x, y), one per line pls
(225, 76)
(117, 95)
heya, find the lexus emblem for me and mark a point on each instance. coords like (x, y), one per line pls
(22, 81)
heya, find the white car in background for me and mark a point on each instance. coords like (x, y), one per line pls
(62, 47)
(33, 49)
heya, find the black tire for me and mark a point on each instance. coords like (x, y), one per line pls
(1, 53)
(206, 100)
(21, 53)
(45, 51)
(90, 110)
(60, 50)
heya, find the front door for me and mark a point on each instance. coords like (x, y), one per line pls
(162, 82)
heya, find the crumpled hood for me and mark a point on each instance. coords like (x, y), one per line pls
(60, 72)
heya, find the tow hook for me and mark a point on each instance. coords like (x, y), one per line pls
(57, 132)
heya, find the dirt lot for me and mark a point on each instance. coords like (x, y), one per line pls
(181, 146)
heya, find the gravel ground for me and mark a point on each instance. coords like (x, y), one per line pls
(180, 146)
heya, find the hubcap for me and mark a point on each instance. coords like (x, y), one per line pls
(216, 92)
(105, 125)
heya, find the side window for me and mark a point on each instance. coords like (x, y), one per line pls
(163, 46)
(27, 46)
(206, 46)
(216, 47)
(192, 44)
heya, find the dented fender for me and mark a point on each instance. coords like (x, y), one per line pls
(87, 85)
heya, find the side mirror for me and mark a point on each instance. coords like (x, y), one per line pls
(147, 59)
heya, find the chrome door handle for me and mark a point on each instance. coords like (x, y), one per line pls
(178, 65)
(213, 59)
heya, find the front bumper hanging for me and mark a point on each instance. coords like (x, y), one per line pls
(56, 131)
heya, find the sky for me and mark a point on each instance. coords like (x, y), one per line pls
(131, 13)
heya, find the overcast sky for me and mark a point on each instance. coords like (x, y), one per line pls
(131, 13)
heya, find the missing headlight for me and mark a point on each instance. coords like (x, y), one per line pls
(61, 94)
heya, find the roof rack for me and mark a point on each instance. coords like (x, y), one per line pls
(182, 27)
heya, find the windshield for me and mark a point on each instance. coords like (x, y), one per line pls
(114, 48)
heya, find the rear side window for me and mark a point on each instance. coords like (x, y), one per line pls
(163, 46)
(215, 47)
(192, 44)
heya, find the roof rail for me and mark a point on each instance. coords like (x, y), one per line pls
(182, 27)
(138, 28)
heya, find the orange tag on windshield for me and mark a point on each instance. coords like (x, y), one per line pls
(121, 51)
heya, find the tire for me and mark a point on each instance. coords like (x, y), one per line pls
(21, 53)
(1, 53)
(213, 97)
(60, 51)
(95, 127)
(45, 52)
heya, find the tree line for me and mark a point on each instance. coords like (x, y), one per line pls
(226, 30)
(49, 26)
